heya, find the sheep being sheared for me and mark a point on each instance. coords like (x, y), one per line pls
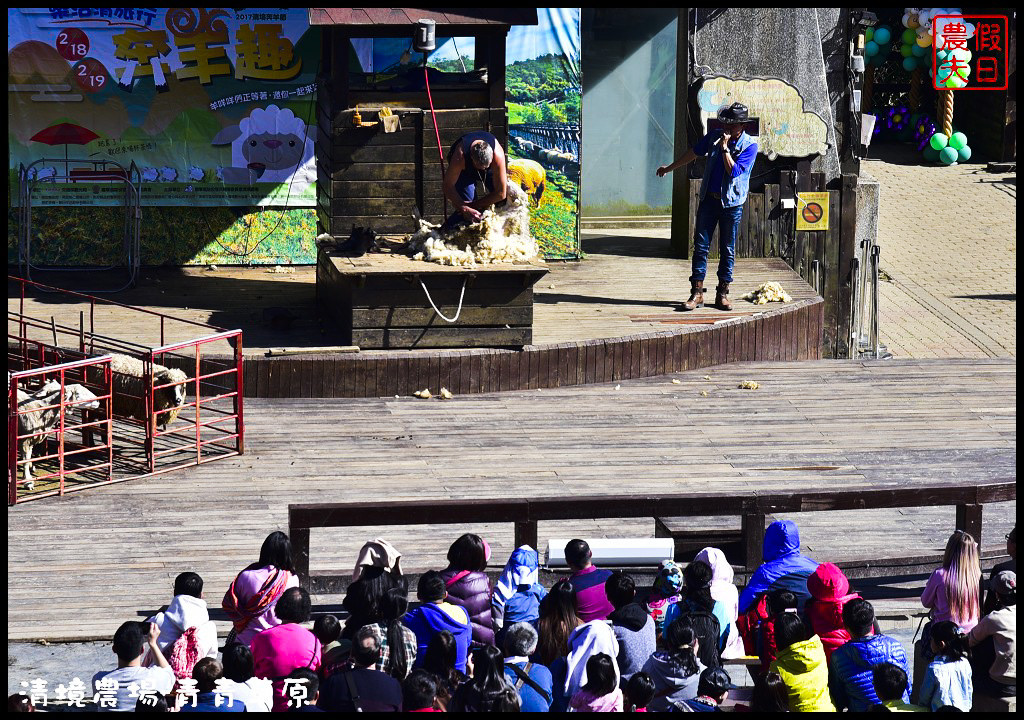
(39, 415)
(501, 236)
(130, 390)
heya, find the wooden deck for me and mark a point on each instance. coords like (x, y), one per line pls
(611, 317)
(81, 565)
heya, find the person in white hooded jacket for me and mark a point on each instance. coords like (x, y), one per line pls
(187, 609)
(724, 591)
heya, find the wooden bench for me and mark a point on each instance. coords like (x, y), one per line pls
(526, 513)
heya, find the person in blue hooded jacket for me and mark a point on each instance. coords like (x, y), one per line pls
(783, 567)
(518, 593)
(434, 615)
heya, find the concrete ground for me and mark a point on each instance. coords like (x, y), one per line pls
(948, 238)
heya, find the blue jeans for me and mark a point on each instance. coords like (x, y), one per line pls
(465, 187)
(709, 214)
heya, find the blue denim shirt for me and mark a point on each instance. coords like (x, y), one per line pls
(733, 189)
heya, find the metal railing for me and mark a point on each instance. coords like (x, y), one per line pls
(864, 342)
(30, 423)
(156, 427)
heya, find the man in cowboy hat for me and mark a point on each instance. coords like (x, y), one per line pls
(731, 153)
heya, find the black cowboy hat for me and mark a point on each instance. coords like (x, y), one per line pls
(734, 114)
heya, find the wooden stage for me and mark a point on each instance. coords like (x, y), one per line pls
(79, 566)
(610, 317)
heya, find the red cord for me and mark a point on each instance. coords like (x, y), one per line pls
(440, 153)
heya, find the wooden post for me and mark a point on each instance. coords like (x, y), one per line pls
(968, 519)
(753, 539)
(680, 178)
(946, 113)
(526, 534)
(914, 99)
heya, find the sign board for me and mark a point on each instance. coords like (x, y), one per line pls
(812, 211)
(785, 126)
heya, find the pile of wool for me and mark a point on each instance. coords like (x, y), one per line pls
(501, 236)
(768, 292)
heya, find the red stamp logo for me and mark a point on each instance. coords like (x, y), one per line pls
(970, 52)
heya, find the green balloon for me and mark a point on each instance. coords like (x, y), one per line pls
(938, 141)
(910, 64)
(964, 153)
(869, 34)
(905, 50)
(931, 154)
(947, 156)
(910, 37)
(957, 140)
(918, 51)
(882, 35)
(955, 81)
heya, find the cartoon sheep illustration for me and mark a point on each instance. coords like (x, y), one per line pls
(270, 145)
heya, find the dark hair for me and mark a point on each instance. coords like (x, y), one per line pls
(394, 606)
(327, 629)
(188, 583)
(948, 708)
(238, 663)
(770, 694)
(419, 690)
(577, 553)
(681, 638)
(890, 681)
(310, 680)
(488, 669)
(206, 673)
(789, 629)
(441, 656)
(151, 701)
(468, 553)
(620, 589)
(639, 691)
(505, 700)
(697, 588)
(19, 702)
(781, 600)
(364, 597)
(557, 620)
(276, 551)
(601, 675)
(954, 641)
(130, 639)
(858, 616)
(431, 587)
(293, 606)
(1012, 535)
(365, 655)
(487, 690)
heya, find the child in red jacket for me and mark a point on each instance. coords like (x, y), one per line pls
(830, 591)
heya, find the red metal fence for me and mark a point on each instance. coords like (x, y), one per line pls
(44, 406)
(182, 405)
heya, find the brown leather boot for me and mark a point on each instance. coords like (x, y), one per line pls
(722, 297)
(696, 295)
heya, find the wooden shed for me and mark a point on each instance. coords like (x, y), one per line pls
(369, 178)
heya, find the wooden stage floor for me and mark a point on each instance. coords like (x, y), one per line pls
(79, 566)
(625, 286)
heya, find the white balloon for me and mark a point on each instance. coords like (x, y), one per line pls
(971, 29)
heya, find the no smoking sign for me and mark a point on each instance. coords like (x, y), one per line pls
(812, 211)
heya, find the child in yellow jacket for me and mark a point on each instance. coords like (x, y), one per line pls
(801, 663)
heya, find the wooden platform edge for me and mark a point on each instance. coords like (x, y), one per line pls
(791, 332)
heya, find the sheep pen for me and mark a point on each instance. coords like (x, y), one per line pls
(501, 236)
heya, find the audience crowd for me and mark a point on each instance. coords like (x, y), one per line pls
(593, 642)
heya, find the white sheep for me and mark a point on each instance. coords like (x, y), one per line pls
(501, 236)
(39, 415)
(168, 174)
(195, 174)
(270, 145)
(130, 391)
(150, 174)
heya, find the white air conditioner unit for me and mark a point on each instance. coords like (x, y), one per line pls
(627, 552)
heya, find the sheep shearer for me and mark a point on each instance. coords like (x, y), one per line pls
(731, 153)
(475, 178)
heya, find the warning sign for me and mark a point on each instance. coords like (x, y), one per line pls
(812, 211)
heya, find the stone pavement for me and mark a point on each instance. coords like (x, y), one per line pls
(948, 257)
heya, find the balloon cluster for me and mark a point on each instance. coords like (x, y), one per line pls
(947, 149)
(879, 42)
(920, 36)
